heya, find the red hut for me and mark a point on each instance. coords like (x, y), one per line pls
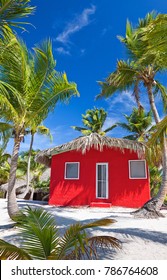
(97, 171)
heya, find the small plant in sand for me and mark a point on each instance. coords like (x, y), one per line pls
(41, 240)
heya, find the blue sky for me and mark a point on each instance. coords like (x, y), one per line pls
(85, 46)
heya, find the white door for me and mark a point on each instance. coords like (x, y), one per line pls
(102, 180)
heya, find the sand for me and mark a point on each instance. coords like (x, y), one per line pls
(142, 239)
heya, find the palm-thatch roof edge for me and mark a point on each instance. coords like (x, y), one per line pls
(85, 143)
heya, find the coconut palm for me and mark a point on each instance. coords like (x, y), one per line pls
(11, 11)
(130, 74)
(41, 129)
(152, 37)
(139, 75)
(30, 87)
(41, 240)
(134, 35)
(35, 170)
(6, 132)
(157, 141)
(93, 121)
(138, 124)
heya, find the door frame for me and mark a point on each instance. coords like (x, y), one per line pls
(106, 164)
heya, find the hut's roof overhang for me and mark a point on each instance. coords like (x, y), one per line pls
(85, 143)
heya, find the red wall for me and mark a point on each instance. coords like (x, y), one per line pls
(122, 190)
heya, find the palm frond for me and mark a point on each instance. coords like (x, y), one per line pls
(78, 128)
(110, 128)
(99, 223)
(75, 238)
(39, 233)
(30, 86)
(125, 126)
(163, 91)
(11, 11)
(57, 91)
(104, 242)
(11, 252)
(119, 80)
(159, 133)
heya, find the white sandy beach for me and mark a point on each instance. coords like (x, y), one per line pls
(142, 239)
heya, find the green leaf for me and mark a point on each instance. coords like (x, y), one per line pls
(12, 252)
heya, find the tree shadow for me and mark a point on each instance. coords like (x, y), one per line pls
(154, 236)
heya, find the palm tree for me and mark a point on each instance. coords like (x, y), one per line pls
(152, 38)
(138, 74)
(134, 37)
(130, 74)
(30, 87)
(41, 129)
(93, 121)
(35, 170)
(41, 239)
(7, 131)
(11, 11)
(138, 123)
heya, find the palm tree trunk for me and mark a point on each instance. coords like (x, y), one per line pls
(163, 189)
(151, 209)
(28, 167)
(13, 209)
(32, 193)
(152, 104)
(159, 198)
(29, 161)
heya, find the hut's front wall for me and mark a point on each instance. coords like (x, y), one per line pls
(122, 191)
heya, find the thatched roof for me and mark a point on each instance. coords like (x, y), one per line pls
(85, 143)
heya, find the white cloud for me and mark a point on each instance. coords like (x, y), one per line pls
(76, 25)
(109, 122)
(124, 100)
(62, 50)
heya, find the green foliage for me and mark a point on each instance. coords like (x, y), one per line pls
(34, 85)
(138, 72)
(44, 185)
(133, 35)
(155, 179)
(93, 121)
(36, 169)
(138, 123)
(30, 88)
(5, 132)
(159, 131)
(40, 239)
(12, 10)
(4, 166)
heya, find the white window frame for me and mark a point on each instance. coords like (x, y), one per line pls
(137, 178)
(106, 164)
(70, 162)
